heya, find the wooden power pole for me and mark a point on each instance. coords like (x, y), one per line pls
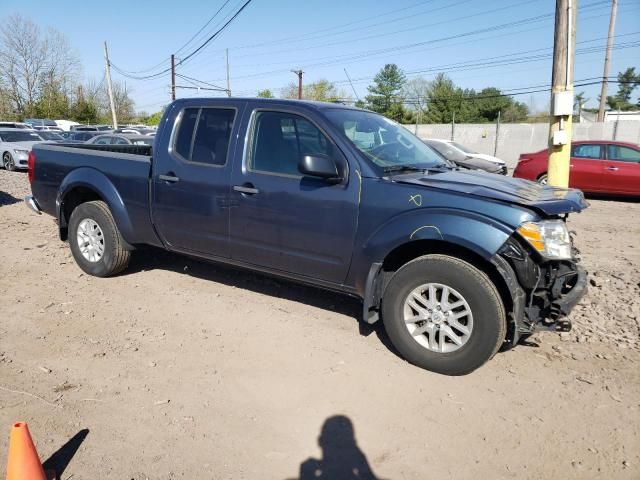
(228, 82)
(299, 74)
(173, 77)
(562, 93)
(110, 87)
(607, 59)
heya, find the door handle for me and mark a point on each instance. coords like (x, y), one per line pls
(613, 169)
(168, 178)
(249, 190)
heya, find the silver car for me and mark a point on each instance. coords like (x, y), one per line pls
(15, 145)
(121, 139)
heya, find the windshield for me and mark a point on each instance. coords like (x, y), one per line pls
(463, 148)
(19, 136)
(386, 143)
(447, 151)
(50, 135)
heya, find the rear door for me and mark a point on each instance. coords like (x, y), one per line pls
(191, 180)
(587, 167)
(283, 220)
(622, 170)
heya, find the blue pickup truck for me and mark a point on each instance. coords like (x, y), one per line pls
(455, 263)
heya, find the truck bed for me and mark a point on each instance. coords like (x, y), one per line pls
(121, 172)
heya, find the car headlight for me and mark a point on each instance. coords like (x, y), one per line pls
(549, 237)
(21, 153)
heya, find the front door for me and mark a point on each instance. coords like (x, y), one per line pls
(285, 221)
(622, 170)
(191, 182)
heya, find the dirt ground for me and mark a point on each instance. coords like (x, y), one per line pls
(180, 369)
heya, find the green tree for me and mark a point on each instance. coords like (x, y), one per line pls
(442, 99)
(627, 82)
(266, 93)
(385, 95)
(321, 91)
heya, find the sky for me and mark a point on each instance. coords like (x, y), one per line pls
(469, 40)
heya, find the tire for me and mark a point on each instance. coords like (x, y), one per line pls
(485, 321)
(7, 162)
(542, 179)
(106, 237)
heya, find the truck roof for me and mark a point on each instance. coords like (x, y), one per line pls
(268, 101)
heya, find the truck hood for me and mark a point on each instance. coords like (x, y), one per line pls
(549, 200)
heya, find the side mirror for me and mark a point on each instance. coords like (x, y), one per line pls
(319, 166)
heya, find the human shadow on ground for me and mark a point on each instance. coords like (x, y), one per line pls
(341, 459)
(59, 461)
(7, 199)
(150, 258)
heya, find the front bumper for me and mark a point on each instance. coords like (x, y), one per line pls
(566, 301)
(542, 294)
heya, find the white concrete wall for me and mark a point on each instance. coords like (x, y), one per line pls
(517, 138)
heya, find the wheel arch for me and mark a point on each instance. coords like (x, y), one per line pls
(85, 185)
(381, 272)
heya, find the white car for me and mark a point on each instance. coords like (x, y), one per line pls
(15, 145)
(461, 149)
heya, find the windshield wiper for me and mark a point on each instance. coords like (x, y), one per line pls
(403, 168)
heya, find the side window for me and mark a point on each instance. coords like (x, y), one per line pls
(592, 152)
(622, 154)
(185, 132)
(103, 141)
(213, 133)
(119, 141)
(281, 139)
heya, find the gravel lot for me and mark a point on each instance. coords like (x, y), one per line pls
(180, 369)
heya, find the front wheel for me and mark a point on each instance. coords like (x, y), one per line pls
(95, 241)
(444, 315)
(7, 162)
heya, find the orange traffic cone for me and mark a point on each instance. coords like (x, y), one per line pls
(23, 462)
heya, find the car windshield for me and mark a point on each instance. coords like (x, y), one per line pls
(466, 150)
(386, 143)
(50, 135)
(447, 151)
(19, 136)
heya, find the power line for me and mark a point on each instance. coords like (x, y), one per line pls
(203, 27)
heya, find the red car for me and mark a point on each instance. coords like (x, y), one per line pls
(604, 166)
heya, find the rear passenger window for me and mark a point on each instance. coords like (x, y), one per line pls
(210, 143)
(185, 132)
(586, 151)
(213, 133)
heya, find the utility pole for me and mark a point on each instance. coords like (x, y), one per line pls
(110, 87)
(173, 77)
(561, 114)
(228, 82)
(607, 59)
(299, 74)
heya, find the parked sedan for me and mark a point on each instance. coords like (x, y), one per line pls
(51, 136)
(455, 156)
(121, 139)
(597, 166)
(460, 154)
(15, 145)
(81, 136)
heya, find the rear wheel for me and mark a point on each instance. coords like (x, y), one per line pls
(96, 243)
(7, 162)
(543, 179)
(444, 315)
